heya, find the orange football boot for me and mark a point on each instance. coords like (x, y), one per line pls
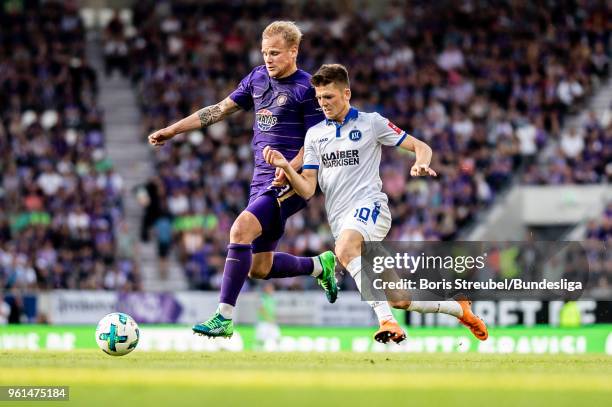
(389, 331)
(476, 325)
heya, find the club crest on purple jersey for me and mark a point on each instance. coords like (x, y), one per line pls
(265, 119)
(281, 100)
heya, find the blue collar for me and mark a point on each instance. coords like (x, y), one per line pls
(351, 115)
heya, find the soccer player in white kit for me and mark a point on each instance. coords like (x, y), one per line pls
(343, 154)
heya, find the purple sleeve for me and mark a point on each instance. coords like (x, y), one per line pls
(242, 95)
(310, 108)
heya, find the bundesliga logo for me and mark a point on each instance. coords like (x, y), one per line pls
(265, 119)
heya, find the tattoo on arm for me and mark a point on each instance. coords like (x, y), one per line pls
(212, 114)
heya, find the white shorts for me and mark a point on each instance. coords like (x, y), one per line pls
(371, 219)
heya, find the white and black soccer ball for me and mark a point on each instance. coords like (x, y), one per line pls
(117, 334)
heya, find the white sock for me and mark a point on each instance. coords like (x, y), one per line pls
(226, 310)
(317, 268)
(381, 308)
(443, 307)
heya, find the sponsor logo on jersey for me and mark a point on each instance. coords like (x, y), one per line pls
(340, 158)
(281, 100)
(355, 135)
(324, 139)
(265, 119)
(394, 128)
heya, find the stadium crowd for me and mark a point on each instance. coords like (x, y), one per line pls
(486, 87)
(582, 156)
(60, 199)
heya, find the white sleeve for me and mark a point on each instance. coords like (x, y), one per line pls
(386, 132)
(311, 157)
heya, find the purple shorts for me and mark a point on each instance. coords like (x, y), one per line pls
(272, 209)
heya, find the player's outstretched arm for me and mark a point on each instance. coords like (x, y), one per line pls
(198, 120)
(304, 184)
(423, 156)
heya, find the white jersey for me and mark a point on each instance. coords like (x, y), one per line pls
(347, 157)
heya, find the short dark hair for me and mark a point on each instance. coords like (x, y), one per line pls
(330, 73)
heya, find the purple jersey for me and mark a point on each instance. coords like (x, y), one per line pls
(284, 109)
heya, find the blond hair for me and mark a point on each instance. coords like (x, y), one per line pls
(287, 29)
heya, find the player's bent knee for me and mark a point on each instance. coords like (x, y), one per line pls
(239, 233)
(399, 304)
(258, 273)
(245, 229)
(261, 265)
(259, 269)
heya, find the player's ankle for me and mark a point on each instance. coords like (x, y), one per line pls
(317, 267)
(225, 310)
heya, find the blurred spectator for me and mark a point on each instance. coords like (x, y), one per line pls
(600, 62)
(115, 47)
(163, 232)
(5, 311)
(572, 144)
(149, 197)
(598, 237)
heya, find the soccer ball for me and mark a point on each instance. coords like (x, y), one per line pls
(117, 334)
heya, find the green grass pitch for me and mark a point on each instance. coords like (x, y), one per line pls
(312, 379)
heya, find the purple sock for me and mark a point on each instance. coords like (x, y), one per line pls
(287, 265)
(237, 265)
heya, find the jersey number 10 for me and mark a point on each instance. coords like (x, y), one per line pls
(364, 213)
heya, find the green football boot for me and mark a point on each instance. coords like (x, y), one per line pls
(327, 278)
(216, 326)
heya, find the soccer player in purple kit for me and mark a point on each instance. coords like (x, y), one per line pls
(285, 108)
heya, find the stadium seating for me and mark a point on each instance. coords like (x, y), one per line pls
(61, 202)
